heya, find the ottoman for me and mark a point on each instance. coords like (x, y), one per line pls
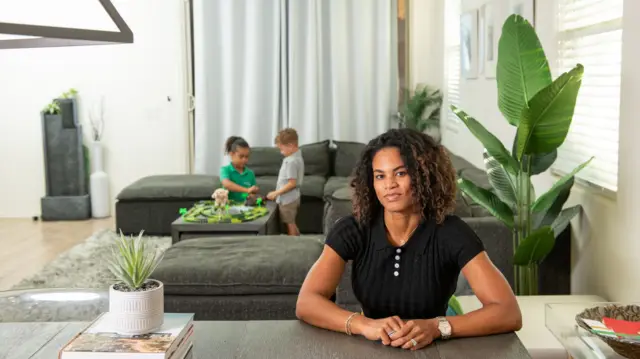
(237, 278)
(152, 203)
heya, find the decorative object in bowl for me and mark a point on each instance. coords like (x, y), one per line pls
(626, 348)
(136, 302)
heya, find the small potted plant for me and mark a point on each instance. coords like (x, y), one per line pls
(136, 302)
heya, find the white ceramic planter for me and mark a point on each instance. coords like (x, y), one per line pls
(135, 313)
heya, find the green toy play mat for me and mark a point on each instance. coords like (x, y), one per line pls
(205, 212)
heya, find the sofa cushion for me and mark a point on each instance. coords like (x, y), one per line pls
(347, 155)
(312, 186)
(338, 205)
(238, 265)
(265, 161)
(458, 162)
(316, 158)
(266, 184)
(170, 187)
(335, 183)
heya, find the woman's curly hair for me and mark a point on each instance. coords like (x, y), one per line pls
(433, 178)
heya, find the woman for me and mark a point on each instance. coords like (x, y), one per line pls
(407, 251)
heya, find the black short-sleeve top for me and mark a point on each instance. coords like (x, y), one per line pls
(414, 281)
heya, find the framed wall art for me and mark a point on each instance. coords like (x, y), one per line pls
(524, 8)
(488, 41)
(469, 44)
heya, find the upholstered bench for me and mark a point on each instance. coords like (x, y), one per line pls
(152, 203)
(237, 278)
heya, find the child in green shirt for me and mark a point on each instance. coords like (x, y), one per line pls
(236, 176)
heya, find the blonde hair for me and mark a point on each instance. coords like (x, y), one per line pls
(287, 136)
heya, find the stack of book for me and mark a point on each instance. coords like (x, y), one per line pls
(98, 340)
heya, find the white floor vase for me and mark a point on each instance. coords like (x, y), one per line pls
(135, 313)
(99, 184)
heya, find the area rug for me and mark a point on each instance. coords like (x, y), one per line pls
(84, 265)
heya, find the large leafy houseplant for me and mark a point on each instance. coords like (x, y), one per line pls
(542, 110)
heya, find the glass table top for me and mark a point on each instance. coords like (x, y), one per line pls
(52, 305)
(579, 343)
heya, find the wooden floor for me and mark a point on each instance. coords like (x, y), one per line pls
(26, 245)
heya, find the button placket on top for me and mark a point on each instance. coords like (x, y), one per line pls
(397, 264)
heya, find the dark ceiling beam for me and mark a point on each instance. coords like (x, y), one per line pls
(51, 36)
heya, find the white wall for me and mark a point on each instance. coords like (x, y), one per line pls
(426, 62)
(144, 132)
(606, 237)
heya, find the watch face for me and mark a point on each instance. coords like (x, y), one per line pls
(444, 327)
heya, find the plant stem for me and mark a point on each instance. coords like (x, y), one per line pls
(522, 274)
(528, 279)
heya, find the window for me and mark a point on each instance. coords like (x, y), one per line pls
(590, 33)
(452, 53)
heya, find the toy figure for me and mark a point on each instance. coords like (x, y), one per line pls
(252, 201)
(220, 197)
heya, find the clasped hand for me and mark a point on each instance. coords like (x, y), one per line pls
(398, 333)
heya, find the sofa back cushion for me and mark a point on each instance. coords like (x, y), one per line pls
(316, 158)
(337, 206)
(265, 161)
(347, 155)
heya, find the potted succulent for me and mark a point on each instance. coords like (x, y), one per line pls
(136, 302)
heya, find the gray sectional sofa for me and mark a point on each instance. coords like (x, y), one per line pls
(226, 279)
(152, 203)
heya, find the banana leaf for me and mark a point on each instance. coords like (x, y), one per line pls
(491, 143)
(502, 182)
(535, 247)
(562, 220)
(547, 217)
(545, 123)
(488, 200)
(522, 69)
(544, 202)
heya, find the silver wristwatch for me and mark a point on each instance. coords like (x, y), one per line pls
(444, 327)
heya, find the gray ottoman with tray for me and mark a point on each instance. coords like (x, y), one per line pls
(237, 278)
(152, 203)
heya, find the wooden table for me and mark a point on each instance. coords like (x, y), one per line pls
(268, 224)
(264, 339)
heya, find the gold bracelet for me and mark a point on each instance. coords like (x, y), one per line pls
(347, 324)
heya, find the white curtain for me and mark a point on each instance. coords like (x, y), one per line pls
(237, 48)
(327, 68)
(342, 62)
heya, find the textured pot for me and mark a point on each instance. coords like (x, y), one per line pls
(135, 313)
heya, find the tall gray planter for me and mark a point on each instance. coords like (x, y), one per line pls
(67, 192)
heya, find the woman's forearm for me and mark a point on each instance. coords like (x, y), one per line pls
(490, 319)
(323, 313)
(233, 187)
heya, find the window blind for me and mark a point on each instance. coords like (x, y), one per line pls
(452, 53)
(590, 33)
(453, 81)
